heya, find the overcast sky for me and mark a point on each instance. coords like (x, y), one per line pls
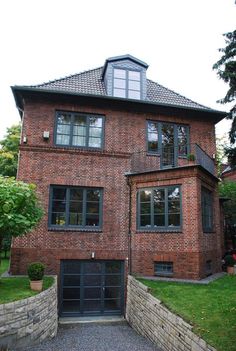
(42, 40)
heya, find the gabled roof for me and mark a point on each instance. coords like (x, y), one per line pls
(90, 82)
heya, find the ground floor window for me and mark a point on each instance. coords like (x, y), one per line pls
(159, 208)
(163, 268)
(75, 207)
(207, 210)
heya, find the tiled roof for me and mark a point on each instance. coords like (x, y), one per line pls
(90, 82)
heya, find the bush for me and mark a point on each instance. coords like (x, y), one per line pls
(36, 271)
(229, 261)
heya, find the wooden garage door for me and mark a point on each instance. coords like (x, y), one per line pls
(91, 287)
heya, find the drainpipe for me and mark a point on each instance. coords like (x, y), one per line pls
(129, 230)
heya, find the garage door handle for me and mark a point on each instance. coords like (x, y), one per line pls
(103, 288)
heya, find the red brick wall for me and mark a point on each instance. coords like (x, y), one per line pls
(189, 248)
(44, 164)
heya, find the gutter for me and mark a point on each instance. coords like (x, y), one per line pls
(18, 90)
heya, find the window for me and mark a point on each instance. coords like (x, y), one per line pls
(163, 268)
(79, 130)
(207, 210)
(208, 267)
(126, 83)
(75, 207)
(169, 140)
(159, 208)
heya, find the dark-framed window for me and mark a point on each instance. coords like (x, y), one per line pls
(126, 83)
(75, 207)
(163, 268)
(168, 138)
(207, 210)
(159, 208)
(79, 130)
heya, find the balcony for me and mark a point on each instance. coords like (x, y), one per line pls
(171, 157)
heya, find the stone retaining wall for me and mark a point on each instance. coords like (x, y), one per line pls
(29, 321)
(150, 318)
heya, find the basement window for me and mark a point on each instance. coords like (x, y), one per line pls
(163, 269)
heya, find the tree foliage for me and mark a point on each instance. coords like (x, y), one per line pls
(227, 189)
(9, 148)
(226, 70)
(20, 210)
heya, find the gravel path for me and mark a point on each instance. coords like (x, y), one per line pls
(96, 337)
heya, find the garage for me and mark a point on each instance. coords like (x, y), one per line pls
(91, 287)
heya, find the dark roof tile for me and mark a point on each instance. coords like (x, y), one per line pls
(90, 82)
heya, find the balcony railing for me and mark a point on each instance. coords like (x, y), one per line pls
(171, 157)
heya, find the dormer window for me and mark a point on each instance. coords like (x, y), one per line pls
(126, 83)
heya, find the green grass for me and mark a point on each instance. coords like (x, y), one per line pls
(211, 309)
(17, 288)
(4, 265)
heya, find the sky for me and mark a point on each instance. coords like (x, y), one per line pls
(43, 40)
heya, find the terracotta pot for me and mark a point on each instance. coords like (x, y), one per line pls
(230, 270)
(36, 285)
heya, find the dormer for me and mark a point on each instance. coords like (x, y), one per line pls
(125, 77)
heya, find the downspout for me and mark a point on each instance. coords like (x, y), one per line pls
(129, 230)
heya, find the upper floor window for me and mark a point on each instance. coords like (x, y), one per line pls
(207, 210)
(79, 130)
(163, 134)
(126, 83)
(159, 208)
(167, 139)
(75, 207)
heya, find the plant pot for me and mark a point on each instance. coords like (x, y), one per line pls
(230, 270)
(36, 285)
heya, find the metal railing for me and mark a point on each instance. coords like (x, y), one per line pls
(171, 157)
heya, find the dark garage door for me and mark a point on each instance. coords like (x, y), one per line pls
(91, 287)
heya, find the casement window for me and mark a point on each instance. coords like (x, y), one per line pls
(75, 207)
(159, 208)
(79, 130)
(167, 139)
(126, 83)
(163, 268)
(207, 210)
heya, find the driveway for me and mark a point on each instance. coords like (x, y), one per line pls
(96, 337)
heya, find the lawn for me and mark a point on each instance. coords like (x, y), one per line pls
(4, 265)
(17, 288)
(211, 309)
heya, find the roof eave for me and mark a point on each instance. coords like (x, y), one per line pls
(18, 90)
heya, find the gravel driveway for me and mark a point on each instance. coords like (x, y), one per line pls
(96, 337)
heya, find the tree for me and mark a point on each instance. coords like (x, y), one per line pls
(9, 151)
(226, 70)
(227, 190)
(20, 210)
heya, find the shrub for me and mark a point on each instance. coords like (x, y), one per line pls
(36, 271)
(229, 261)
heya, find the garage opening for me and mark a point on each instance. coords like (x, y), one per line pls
(91, 287)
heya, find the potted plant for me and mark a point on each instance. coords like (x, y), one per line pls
(191, 158)
(36, 273)
(229, 262)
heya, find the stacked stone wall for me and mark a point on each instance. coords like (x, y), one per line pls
(150, 318)
(29, 321)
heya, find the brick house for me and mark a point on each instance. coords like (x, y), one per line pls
(126, 174)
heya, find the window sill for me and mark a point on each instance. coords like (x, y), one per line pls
(164, 275)
(87, 230)
(167, 231)
(209, 231)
